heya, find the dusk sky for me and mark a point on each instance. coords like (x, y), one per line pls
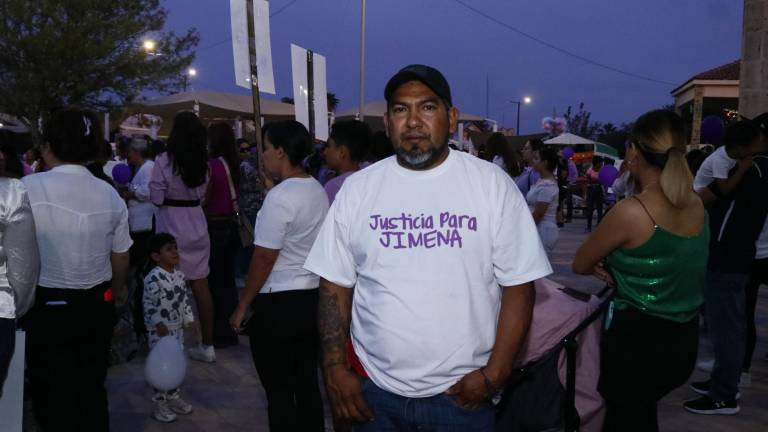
(663, 40)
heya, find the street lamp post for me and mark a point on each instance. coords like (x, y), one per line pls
(526, 100)
(191, 73)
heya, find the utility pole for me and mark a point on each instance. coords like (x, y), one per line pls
(362, 62)
(255, 87)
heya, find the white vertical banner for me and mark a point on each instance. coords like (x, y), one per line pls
(239, 21)
(263, 46)
(321, 97)
(300, 84)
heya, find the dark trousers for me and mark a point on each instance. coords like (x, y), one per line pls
(566, 199)
(595, 200)
(221, 279)
(68, 336)
(284, 345)
(758, 276)
(642, 359)
(7, 345)
(727, 322)
(139, 255)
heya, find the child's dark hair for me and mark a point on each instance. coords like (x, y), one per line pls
(157, 241)
(355, 135)
(741, 134)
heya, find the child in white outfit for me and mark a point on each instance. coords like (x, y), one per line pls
(166, 312)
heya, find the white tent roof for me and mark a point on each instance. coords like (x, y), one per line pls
(568, 139)
(378, 108)
(213, 105)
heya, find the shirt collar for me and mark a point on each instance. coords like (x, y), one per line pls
(70, 169)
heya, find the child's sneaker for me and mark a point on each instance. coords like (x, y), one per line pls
(177, 404)
(163, 412)
(203, 353)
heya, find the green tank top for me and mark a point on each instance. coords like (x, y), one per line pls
(663, 277)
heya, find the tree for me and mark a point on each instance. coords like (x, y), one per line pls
(579, 123)
(85, 52)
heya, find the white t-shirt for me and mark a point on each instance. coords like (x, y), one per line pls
(426, 252)
(715, 166)
(80, 220)
(545, 191)
(141, 210)
(289, 220)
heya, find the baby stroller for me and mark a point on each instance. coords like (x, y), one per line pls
(554, 385)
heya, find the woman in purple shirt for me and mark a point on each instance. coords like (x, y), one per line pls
(222, 230)
(347, 147)
(177, 186)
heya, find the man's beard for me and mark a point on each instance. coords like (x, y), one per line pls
(419, 159)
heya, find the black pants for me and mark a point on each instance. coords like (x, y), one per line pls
(68, 336)
(221, 279)
(139, 256)
(7, 345)
(758, 275)
(566, 198)
(642, 359)
(284, 345)
(595, 200)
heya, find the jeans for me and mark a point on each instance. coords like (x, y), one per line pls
(725, 303)
(221, 279)
(440, 413)
(595, 201)
(759, 275)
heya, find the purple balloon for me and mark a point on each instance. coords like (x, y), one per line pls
(712, 129)
(568, 152)
(121, 173)
(607, 175)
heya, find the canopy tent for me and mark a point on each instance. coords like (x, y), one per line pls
(212, 105)
(605, 150)
(568, 139)
(374, 114)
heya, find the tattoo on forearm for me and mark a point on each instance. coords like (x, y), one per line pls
(334, 329)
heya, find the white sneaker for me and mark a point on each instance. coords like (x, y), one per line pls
(163, 413)
(706, 365)
(202, 353)
(746, 380)
(177, 404)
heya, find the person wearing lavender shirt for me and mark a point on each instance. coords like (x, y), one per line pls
(347, 147)
(529, 177)
(177, 186)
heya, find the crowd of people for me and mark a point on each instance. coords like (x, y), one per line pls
(402, 268)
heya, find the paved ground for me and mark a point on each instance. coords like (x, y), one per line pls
(228, 397)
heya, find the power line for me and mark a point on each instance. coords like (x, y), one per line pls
(272, 15)
(561, 50)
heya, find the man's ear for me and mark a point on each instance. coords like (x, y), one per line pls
(453, 119)
(386, 123)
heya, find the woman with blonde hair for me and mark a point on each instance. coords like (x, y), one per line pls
(653, 248)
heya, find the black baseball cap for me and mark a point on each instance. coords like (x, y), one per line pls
(430, 76)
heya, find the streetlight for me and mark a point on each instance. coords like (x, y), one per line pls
(149, 45)
(191, 73)
(526, 100)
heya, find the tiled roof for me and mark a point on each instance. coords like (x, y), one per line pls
(728, 71)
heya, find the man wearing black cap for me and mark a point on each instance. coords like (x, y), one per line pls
(441, 252)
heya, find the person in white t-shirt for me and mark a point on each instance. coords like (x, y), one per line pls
(283, 295)
(82, 232)
(543, 197)
(713, 179)
(441, 251)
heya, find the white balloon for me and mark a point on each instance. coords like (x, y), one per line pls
(166, 364)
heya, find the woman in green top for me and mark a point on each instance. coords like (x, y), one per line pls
(653, 248)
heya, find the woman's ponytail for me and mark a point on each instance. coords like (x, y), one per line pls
(676, 180)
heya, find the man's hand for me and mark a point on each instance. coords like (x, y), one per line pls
(236, 320)
(471, 391)
(744, 164)
(162, 330)
(346, 394)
